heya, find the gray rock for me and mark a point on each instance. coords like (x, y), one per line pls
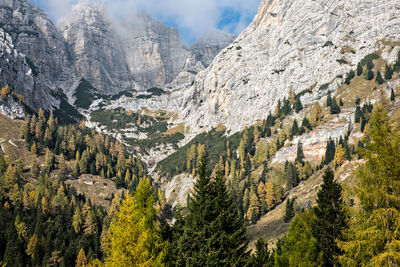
(286, 46)
(207, 47)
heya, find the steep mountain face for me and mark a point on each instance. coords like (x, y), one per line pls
(297, 44)
(98, 54)
(155, 53)
(207, 47)
(137, 54)
(23, 78)
(33, 34)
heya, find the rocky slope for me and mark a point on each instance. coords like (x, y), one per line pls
(33, 34)
(23, 78)
(290, 44)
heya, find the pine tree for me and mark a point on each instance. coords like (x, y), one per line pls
(306, 124)
(286, 107)
(392, 95)
(295, 128)
(331, 219)
(341, 102)
(369, 74)
(297, 106)
(291, 176)
(289, 210)
(359, 69)
(335, 109)
(349, 77)
(379, 78)
(300, 154)
(329, 100)
(261, 257)
(214, 233)
(62, 167)
(299, 247)
(330, 151)
(134, 236)
(358, 114)
(388, 72)
(373, 238)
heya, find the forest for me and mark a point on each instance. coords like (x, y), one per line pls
(46, 222)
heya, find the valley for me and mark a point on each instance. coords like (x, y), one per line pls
(234, 150)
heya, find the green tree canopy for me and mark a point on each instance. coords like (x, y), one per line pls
(374, 236)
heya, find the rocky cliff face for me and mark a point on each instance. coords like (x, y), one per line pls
(207, 47)
(98, 53)
(137, 54)
(23, 77)
(33, 34)
(290, 44)
(155, 53)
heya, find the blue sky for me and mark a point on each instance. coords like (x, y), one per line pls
(192, 17)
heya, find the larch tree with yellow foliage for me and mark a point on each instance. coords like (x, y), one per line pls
(134, 237)
(374, 237)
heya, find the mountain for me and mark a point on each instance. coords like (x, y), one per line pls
(138, 53)
(98, 53)
(290, 44)
(87, 44)
(37, 58)
(207, 47)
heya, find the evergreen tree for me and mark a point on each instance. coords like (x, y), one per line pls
(306, 124)
(289, 210)
(291, 176)
(369, 74)
(335, 109)
(261, 257)
(295, 128)
(214, 233)
(359, 69)
(297, 106)
(330, 151)
(373, 237)
(329, 100)
(330, 219)
(299, 247)
(388, 72)
(349, 77)
(300, 154)
(379, 78)
(341, 102)
(286, 107)
(358, 114)
(392, 95)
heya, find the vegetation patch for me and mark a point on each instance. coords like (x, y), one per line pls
(156, 91)
(85, 94)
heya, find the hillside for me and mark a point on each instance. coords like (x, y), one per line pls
(283, 141)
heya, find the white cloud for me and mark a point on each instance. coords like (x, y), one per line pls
(195, 17)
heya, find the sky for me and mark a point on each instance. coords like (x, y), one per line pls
(192, 18)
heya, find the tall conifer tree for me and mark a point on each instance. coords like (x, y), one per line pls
(330, 218)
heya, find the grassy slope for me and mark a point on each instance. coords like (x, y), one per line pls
(10, 140)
